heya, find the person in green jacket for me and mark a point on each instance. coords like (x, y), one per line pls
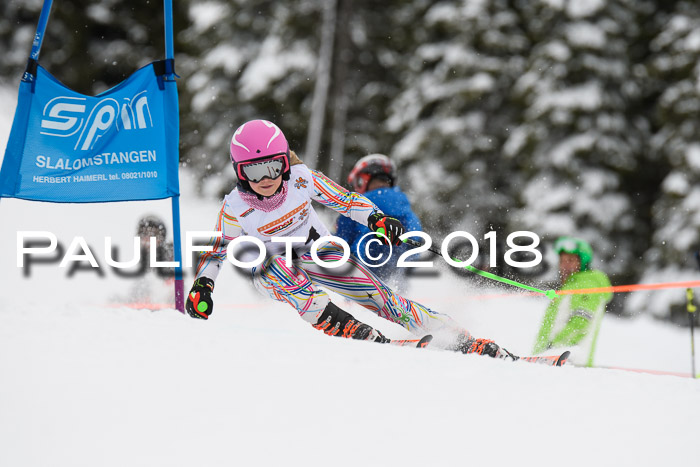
(573, 321)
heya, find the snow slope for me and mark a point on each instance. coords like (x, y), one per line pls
(88, 381)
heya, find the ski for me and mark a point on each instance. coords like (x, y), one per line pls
(419, 343)
(552, 360)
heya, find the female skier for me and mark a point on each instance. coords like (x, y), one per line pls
(273, 199)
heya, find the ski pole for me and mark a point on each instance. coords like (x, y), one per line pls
(691, 315)
(551, 294)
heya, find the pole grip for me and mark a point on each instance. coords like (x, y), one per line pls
(690, 306)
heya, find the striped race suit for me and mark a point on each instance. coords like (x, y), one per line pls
(303, 283)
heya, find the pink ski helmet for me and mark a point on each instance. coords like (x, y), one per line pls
(257, 144)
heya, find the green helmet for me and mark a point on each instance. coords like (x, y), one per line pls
(575, 246)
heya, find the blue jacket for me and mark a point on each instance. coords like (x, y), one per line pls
(392, 202)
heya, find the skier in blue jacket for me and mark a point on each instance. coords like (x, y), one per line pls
(375, 177)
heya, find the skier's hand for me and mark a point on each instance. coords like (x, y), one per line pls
(391, 227)
(199, 303)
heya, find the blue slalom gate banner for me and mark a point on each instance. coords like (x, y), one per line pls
(120, 145)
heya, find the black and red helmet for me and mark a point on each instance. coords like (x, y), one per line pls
(369, 167)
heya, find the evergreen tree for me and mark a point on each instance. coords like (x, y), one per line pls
(17, 26)
(246, 60)
(581, 137)
(452, 115)
(89, 46)
(675, 66)
(241, 61)
(370, 44)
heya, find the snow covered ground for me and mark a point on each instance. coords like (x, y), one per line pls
(88, 381)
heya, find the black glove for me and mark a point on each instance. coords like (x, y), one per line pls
(389, 226)
(199, 303)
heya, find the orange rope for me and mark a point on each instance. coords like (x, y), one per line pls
(632, 288)
(651, 372)
(613, 289)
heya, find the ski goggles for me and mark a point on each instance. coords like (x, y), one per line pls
(255, 171)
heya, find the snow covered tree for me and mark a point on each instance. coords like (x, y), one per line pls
(367, 47)
(89, 46)
(17, 26)
(581, 141)
(452, 114)
(240, 61)
(675, 66)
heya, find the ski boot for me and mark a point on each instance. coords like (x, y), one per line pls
(468, 345)
(337, 322)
